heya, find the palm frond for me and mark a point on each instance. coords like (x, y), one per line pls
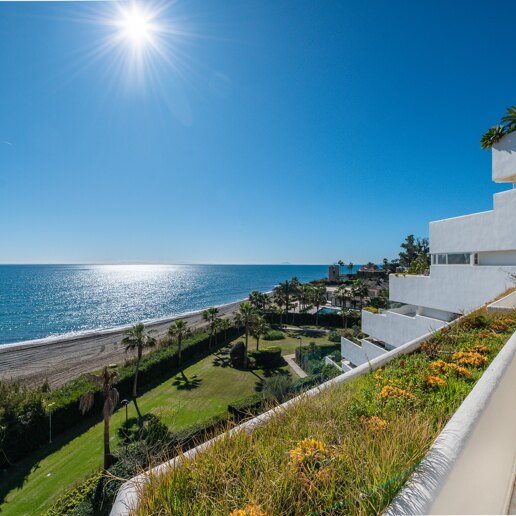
(86, 402)
(492, 136)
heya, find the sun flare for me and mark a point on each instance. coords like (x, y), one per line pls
(136, 26)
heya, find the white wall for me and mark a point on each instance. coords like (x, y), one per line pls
(504, 159)
(452, 288)
(497, 258)
(487, 231)
(359, 355)
(396, 329)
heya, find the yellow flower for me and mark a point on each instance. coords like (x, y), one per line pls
(469, 358)
(439, 366)
(309, 453)
(479, 348)
(248, 510)
(374, 423)
(378, 374)
(462, 371)
(394, 392)
(435, 381)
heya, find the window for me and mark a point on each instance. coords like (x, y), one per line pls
(441, 259)
(459, 259)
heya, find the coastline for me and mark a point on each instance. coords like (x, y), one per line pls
(61, 358)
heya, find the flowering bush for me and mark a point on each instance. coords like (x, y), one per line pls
(469, 358)
(248, 510)
(374, 423)
(309, 454)
(440, 366)
(479, 348)
(435, 381)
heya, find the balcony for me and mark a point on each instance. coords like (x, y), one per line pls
(504, 159)
(396, 328)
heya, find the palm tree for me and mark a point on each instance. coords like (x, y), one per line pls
(492, 136)
(178, 330)
(258, 299)
(303, 296)
(360, 290)
(111, 397)
(137, 338)
(260, 327)
(510, 119)
(350, 267)
(225, 325)
(345, 313)
(245, 318)
(285, 291)
(343, 295)
(318, 299)
(211, 316)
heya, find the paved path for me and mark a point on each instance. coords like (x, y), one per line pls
(290, 361)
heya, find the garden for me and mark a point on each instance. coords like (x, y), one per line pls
(349, 449)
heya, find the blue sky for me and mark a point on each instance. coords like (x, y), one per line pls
(272, 131)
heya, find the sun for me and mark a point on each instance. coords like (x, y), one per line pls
(136, 26)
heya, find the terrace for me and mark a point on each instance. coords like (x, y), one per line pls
(353, 443)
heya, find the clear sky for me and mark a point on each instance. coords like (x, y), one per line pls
(262, 131)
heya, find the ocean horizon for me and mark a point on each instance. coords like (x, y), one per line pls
(46, 301)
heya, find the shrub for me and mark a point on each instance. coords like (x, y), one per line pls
(276, 387)
(329, 371)
(268, 358)
(372, 309)
(334, 336)
(274, 335)
(237, 355)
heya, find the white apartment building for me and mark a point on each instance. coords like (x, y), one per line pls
(473, 258)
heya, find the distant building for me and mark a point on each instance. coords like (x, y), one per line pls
(334, 272)
(370, 273)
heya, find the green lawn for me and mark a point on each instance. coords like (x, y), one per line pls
(29, 487)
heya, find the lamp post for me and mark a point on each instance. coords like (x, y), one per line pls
(300, 356)
(124, 403)
(49, 406)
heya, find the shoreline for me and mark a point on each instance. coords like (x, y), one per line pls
(61, 358)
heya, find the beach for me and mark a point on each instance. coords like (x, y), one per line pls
(61, 359)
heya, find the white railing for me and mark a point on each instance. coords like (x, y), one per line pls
(470, 468)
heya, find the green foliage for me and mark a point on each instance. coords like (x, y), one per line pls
(268, 358)
(23, 410)
(494, 134)
(276, 387)
(390, 419)
(334, 336)
(414, 249)
(372, 309)
(274, 335)
(68, 503)
(237, 354)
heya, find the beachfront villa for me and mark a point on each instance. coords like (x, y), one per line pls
(473, 260)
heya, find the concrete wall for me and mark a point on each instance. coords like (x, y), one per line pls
(486, 231)
(454, 288)
(470, 467)
(497, 258)
(504, 159)
(396, 329)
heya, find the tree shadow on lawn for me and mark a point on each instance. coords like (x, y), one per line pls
(17, 475)
(221, 358)
(183, 383)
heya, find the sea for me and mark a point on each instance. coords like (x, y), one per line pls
(45, 301)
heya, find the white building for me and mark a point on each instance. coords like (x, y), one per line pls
(473, 258)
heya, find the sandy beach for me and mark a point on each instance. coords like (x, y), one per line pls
(62, 359)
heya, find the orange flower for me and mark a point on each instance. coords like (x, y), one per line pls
(462, 371)
(479, 348)
(374, 423)
(435, 381)
(469, 358)
(248, 510)
(389, 391)
(439, 366)
(309, 453)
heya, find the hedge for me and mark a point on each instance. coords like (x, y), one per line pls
(268, 357)
(304, 319)
(24, 423)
